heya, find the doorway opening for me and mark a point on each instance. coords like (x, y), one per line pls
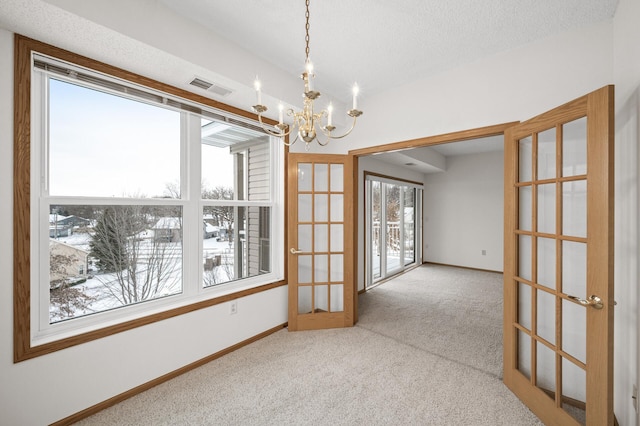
(373, 259)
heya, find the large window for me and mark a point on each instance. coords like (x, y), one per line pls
(142, 202)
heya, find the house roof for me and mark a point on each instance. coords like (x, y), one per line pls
(53, 243)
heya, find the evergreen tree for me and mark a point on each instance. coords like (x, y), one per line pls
(109, 242)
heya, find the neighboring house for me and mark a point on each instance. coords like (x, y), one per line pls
(168, 230)
(75, 221)
(70, 266)
(57, 231)
(62, 226)
(210, 231)
(254, 240)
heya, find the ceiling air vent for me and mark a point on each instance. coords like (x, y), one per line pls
(211, 87)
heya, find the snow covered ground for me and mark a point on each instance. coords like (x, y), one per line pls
(103, 287)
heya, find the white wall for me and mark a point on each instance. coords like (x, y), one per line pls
(627, 79)
(511, 86)
(463, 212)
(49, 388)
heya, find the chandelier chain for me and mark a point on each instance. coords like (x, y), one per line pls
(306, 39)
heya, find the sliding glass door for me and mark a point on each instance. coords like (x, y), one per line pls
(393, 234)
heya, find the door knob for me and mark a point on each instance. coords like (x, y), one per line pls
(294, 251)
(594, 301)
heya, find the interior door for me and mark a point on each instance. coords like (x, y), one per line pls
(321, 238)
(558, 268)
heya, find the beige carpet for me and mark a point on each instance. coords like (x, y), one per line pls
(427, 351)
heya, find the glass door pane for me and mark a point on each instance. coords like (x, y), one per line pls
(409, 215)
(393, 229)
(393, 212)
(375, 223)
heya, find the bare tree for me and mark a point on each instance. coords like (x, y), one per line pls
(65, 300)
(221, 273)
(148, 261)
(223, 215)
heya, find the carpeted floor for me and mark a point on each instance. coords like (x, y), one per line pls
(426, 351)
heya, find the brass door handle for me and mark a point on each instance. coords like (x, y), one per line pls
(294, 251)
(594, 301)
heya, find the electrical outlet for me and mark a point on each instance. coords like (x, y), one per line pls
(484, 252)
(634, 396)
(233, 307)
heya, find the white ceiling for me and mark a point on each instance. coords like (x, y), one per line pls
(419, 160)
(385, 43)
(381, 44)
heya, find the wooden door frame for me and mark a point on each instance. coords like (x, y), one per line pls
(460, 136)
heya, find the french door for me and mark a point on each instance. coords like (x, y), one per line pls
(321, 241)
(558, 269)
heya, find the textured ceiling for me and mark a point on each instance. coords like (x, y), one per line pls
(378, 43)
(383, 43)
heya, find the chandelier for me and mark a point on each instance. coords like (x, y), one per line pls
(307, 124)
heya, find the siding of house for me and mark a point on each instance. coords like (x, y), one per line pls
(76, 268)
(258, 188)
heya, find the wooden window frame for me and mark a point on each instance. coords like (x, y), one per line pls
(23, 349)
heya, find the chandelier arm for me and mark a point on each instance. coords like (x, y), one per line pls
(291, 143)
(326, 142)
(271, 132)
(330, 136)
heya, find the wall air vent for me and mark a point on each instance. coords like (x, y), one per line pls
(211, 87)
(198, 82)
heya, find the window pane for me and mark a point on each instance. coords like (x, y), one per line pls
(525, 159)
(237, 243)
(106, 257)
(546, 317)
(102, 145)
(525, 208)
(235, 162)
(305, 173)
(546, 158)
(574, 147)
(547, 208)
(574, 208)
(321, 175)
(547, 262)
(321, 301)
(337, 172)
